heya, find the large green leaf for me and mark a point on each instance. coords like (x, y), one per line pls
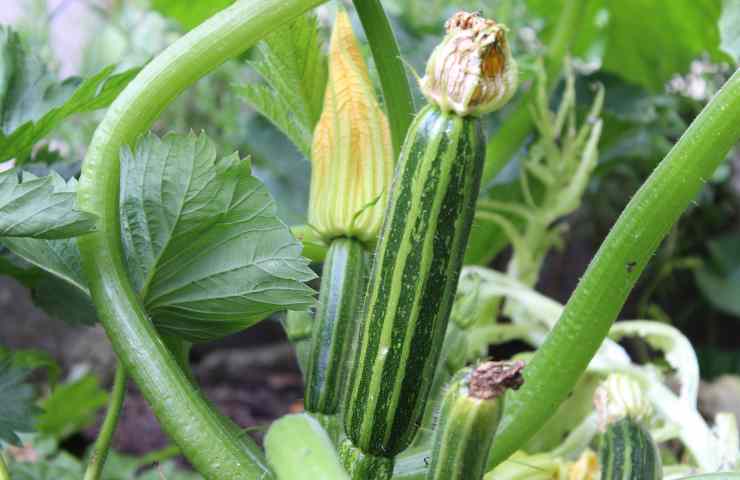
(729, 29)
(649, 42)
(71, 407)
(190, 13)
(61, 291)
(40, 207)
(719, 281)
(294, 70)
(204, 246)
(33, 101)
(646, 43)
(16, 402)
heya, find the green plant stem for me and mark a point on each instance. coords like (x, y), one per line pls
(4, 474)
(105, 436)
(519, 123)
(399, 102)
(313, 247)
(603, 289)
(206, 439)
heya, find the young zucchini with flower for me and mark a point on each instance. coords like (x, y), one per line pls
(425, 231)
(352, 165)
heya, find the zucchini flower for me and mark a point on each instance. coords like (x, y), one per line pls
(351, 155)
(472, 71)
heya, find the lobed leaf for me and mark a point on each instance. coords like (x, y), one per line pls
(33, 102)
(294, 70)
(719, 281)
(16, 402)
(203, 243)
(204, 246)
(646, 43)
(71, 407)
(40, 207)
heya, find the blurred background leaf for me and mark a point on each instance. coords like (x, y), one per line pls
(189, 13)
(71, 407)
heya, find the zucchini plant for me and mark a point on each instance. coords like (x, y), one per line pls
(168, 243)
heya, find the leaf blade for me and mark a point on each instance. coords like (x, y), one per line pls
(204, 245)
(40, 207)
(33, 102)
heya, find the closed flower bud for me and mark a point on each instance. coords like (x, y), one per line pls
(472, 71)
(351, 155)
(621, 396)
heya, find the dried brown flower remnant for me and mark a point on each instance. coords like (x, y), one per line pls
(472, 71)
(492, 379)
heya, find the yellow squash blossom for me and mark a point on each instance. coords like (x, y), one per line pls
(351, 155)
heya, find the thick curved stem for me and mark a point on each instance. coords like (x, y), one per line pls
(399, 102)
(603, 289)
(519, 124)
(205, 438)
(105, 436)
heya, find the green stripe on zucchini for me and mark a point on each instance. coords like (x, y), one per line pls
(628, 452)
(414, 278)
(342, 284)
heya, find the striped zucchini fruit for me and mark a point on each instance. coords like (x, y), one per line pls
(628, 452)
(414, 279)
(470, 414)
(342, 285)
(364, 466)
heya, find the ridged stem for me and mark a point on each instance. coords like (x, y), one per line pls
(602, 291)
(399, 102)
(518, 124)
(206, 439)
(105, 436)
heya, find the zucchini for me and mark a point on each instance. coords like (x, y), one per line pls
(364, 466)
(298, 448)
(470, 414)
(414, 279)
(628, 452)
(342, 284)
(424, 234)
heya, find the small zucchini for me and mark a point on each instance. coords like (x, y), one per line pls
(342, 284)
(628, 452)
(470, 414)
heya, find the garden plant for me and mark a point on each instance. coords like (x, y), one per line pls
(385, 291)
